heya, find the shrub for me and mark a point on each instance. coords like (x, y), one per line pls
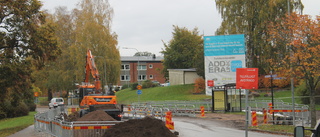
(32, 106)
(125, 86)
(199, 85)
(134, 86)
(21, 110)
(148, 84)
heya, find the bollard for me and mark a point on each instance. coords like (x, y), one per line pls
(265, 118)
(254, 118)
(129, 107)
(202, 111)
(169, 123)
(270, 108)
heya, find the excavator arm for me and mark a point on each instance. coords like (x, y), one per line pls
(91, 68)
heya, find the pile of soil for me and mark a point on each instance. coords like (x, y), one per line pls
(98, 115)
(146, 127)
(72, 117)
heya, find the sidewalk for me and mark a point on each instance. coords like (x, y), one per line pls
(27, 132)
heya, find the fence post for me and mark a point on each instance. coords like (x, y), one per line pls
(169, 123)
(202, 111)
(254, 118)
(265, 118)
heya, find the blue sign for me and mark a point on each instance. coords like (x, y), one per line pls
(139, 92)
(223, 45)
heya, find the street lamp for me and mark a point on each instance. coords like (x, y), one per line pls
(138, 63)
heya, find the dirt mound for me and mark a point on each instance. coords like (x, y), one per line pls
(72, 117)
(98, 115)
(146, 127)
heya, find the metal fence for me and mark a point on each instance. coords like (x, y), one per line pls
(52, 124)
(283, 111)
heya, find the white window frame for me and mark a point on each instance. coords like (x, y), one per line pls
(150, 65)
(125, 66)
(150, 76)
(125, 78)
(142, 67)
(143, 76)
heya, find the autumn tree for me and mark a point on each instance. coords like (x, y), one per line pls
(299, 38)
(93, 31)
(26, 41)
(251, 17)
(184, 50)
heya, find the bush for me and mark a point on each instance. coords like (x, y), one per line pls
(199, 85)
(125, 86)
(134, 86)
(148, 84)
(21, 110)
(32, 106)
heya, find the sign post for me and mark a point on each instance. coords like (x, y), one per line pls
(139, 92)
(247, 78)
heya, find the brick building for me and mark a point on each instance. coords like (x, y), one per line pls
(134, 68)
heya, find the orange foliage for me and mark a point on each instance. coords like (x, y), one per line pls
(199, 85)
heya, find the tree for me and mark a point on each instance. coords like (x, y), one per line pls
(93, 31)
(251, 17)
(146, 53)
(26, 41)
(185, 50)
(300, 36)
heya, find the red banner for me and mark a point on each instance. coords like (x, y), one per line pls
(247, 78)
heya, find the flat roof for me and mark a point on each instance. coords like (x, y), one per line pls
(141, 58)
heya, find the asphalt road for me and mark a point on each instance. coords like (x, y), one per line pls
(197, 127)
(186, 126)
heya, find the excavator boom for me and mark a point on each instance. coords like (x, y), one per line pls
(91, 68)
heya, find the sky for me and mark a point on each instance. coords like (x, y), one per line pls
(145, 25)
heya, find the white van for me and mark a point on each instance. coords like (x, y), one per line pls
(55, 102)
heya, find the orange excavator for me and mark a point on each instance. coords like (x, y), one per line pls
(91, 96)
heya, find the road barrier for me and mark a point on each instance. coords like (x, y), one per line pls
(254, 118)
(202, 111)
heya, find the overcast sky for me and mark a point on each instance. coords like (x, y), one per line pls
(144, 24)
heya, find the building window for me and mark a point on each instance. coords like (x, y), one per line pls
(142, 77)
(142, 67)
(150, 66)
(125, 78)
(125, 67)
(150, 76)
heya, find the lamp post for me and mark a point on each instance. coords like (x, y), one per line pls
(138, 63)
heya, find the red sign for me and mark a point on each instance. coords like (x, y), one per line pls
(247, 78)
(210, 83)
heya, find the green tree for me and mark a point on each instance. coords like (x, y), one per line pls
(26, 42)
(185, 50)
(251, 17)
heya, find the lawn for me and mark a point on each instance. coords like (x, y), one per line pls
(12, 125)
(176, 92)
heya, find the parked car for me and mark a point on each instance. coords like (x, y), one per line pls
(55, 102)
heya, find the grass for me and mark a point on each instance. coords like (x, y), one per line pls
(176, 92)
(278, 128)
(12, 125)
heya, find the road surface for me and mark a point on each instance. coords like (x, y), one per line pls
(198, 127)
